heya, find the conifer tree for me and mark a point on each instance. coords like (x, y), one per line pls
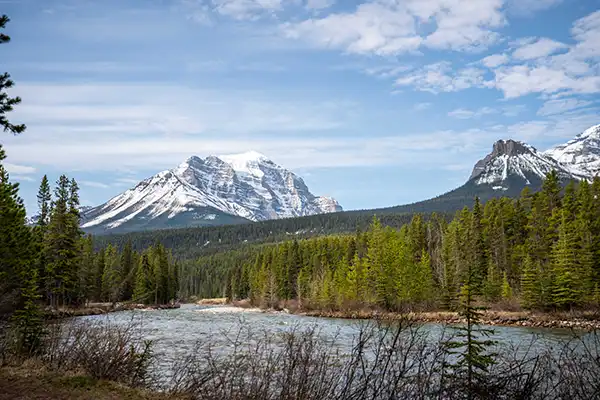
(128, 270)
(143, 282)
(507, 292)
(530, 285)
(112, 283)
(472, 344)
(567, 290)
(7, 103)
(44, 199)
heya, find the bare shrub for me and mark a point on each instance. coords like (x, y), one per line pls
(101, 350)
(386, 360)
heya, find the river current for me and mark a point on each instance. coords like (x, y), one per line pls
(177, 332)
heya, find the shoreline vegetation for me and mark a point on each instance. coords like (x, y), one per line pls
(103, 308)
(584, 320)
(92, 360)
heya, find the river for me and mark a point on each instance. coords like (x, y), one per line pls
(176, 332)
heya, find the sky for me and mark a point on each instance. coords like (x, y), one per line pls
(376, 103)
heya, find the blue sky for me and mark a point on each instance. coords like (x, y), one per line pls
(375, 103)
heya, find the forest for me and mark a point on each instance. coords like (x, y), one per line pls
(539, 251)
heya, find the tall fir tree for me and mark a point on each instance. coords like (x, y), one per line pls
(7, 103)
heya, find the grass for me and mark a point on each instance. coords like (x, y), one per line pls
(214, 301)
(33, 380)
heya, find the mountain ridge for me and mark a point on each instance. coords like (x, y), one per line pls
(510, 166)
(215, 190)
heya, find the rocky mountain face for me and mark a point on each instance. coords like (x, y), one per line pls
(513, 163)
(580, 155)
(512, 166)
(212, 191)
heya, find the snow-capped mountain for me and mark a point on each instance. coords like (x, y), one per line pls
(211, 191)
(580, 155)
(513, 163)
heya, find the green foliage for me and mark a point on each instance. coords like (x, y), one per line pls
(540, 249)
(7, 103)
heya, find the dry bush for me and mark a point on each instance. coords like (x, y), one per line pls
(101, 350)
(386, 360)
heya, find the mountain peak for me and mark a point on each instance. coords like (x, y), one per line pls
(214, 190)
(510, 147)
(248, 156)
(591, 132)
(581, 155)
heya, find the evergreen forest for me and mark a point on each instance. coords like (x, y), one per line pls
(539, 251)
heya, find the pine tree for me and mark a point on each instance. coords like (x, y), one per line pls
(507, 292)
(476, 249)
(63, 244)
(128, 270)
(530, 285)
(473, 358)
(567, 291)
(7, 103)
(143, 282)
(44, 198)
(112, 283)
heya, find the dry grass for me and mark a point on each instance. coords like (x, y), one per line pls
(214, 301)
(573, 319)
(33, 380)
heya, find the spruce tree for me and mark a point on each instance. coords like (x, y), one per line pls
(7, 103)
(143, 282)
(530, 285)
(44, 199)
(62, 245)
(472, 345)
(112, 283)
(567, 290)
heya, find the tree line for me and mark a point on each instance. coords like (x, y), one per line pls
(540, 250)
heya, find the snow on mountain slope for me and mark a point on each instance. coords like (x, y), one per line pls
(248, 186)
(512, 162)
(580, 155)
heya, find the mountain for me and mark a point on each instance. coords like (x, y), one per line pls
(580, 155)
(217, 190)
(513, 165)
(506, 171)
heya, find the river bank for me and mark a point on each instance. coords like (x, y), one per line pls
(587, 320)
(576, 320)
(102, 308)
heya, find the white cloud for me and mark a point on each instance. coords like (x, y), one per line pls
(575, 71)
(387, 71)
(560, 106)
(513, 110)
(538, 48)
(126, 181)
(319, 4)
(22, 178)
(19, 169)
(376, 27)
(441, 77)
(422, 106)
(495, 60)
(462, 113)
(389, 27)
(246, 9)
(461, 25)
(520, 80)
(118, 109)
(98, 185)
